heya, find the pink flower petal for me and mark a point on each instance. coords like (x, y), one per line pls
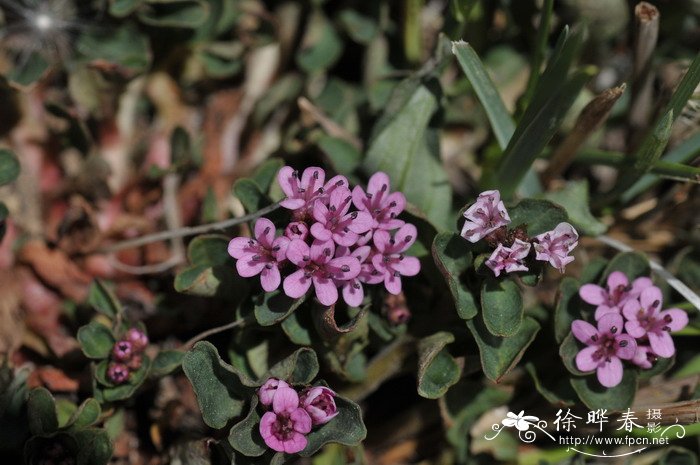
(592, 294)
(295, 444)
(405, 237)
(626, 346)
(616, 279)
(298, 252)
(409, 266)
(651, 298)
(604, 310)
(631, 309)
(610, 373)
(583, 331)
(326, 292)
(248, 267)
(336, 182)
(379, 182)
(338, 265)
(312, 179)
(292, 204)
(639, 284)
(392, 283)
(352, 295)
(634, 329)
(612, 323)
(265, 232)
(585, 360)
(286, 400)
(322, 251)
(320, 212)
(266, 423)
(382, 240)
(281, 244)
(679, 319)
(362, 223)
(359, 198)
(270, 278)
(296, 284)
(320, 232)
(240, 247)
(661, 343)
(301, 420)
(285, 178)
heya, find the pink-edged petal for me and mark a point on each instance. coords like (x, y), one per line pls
(399, 199)
(610, 373)
(345, 239)
(266, 431)
(616, 279)
(661, 343)
(362, 253)
(405, 237)
(634, 329)
(651, 298)
(362, 223)
(296, 284)
(286, 400)
(351, 264)
(270, 278)
(312, 179)
(353, 295)
(320, 212)
(390, 225)
(247, 267)
(631, 309)
(379, 182)
(322, 251)
(379, 265)
(240, 247)
(585, 360)
(319, 231)
(336, 182)
(265, 232)
(409, 266)
(292, 204)
(326, 292)
(679, 319)
(583, 331)
(279, 248)
(592, 294)
(285, 178)
(298, 252)
(612, 323)
(359, 198)
(295, 444)
(639, 284)
(340, 201)
(626, 346)
(301, 420)
(392, 283)
(604, 310)
(382, 240)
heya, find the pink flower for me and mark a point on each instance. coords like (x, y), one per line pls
(644, 357)
(117, 373)
(319, 403)
(261, 255)
(336, 222)
(297, 230)
(318, 266)
(510, 258)
(486, 215)
(398, 315)
(606, 346)
(353, 292)
(267, 391)
(301, 193)
(382, 205)
(122, 351)
(390, 260)
(284, 428)
(556, 245)
(615, 295)
(645, 318)
(137, 338)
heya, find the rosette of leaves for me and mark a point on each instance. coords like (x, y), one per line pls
(493, 308)
(97, 340)
(227, 398)
(66, 433)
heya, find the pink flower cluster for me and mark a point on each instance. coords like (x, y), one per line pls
(293, 415)
(488, 218)
(329, 245)
(623, 306)
(126, 356)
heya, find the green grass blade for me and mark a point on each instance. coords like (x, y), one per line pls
(685, 89)
(539, 52)
(501, 121)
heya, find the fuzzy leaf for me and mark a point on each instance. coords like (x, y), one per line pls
(346, 428)
(539, 215)
(86, 415)
(245, 435)
(166, 362)
(41, 408)
(437, 369)
(452, 257)
(502, 306)
(275, 307)
(102, 299)
(568, 307)
(299, 368)
(596, 396)
(96, 340)
(209, 250)
(574, 198)
(250, 194)
(9, 167)
(321, 47)
(632, 264)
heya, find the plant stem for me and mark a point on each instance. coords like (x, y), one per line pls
(210, 332)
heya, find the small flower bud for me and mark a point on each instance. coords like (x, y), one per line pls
(117, 373)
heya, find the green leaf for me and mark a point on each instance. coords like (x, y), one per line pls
(405, 145)
(344, 157)
(209, 250)
(437, 369)
(361, 29)
(275, 307)
(28, 69)
(632, 264)
(346, 428)
(266, 173)
(125, 46)
(86, 415)
(297, 332)
(320, 47)
(499, 355)
(551, 396)
(453, 257)
(596, 396)
(574, 198)
(674, 455)
(96, 340)
(328, 328)
(502, 306)
(180, 147)
(538, 54)
(123, 8)
(250, 194)
(41, 409)
(166, 362)
(568, 307)
(102, 299)
(9, 167)
(216, 384)
(245, 435)
(94, 446)
(539, 215)
(299, 368)
(501, 121)
(174, 13)
(203, 280)
(567, 351)
(684, 91)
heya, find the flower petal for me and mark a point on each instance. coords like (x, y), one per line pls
(296, 284)
(604, 310)
(409, 266)
(322, 251)
(405, 237)
(298, 252)
(265, 232)
(301, 421)
(312, 179)
(247, 267)
(241, 246)
(266, 431)
(359, 199)
(651, 298)
(617, 279)
(296, 443)
(583, 331)
(353, 293)
(338, 266)
(270, 278)
(679, 319)
(280, 244)
(392, 283)
(585, 360)
(326, 292)
(626, 346)
(610, 373)
(362, 223)
(285, 178)
(592, 294)
(286, 400)
(382, 240)
(379, 182)
(661, 343)
(320, 232)
(611, 323)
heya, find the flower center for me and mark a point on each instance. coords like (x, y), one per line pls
(283, 428)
